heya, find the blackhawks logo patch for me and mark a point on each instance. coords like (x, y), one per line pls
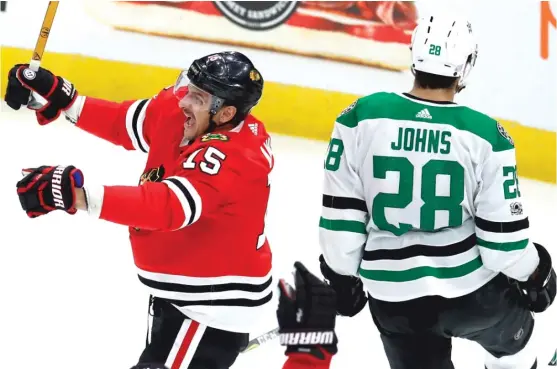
(214, 136)
(504, 133)
(152, 175)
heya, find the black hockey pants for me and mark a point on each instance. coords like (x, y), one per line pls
(181, 343)
(417, 334)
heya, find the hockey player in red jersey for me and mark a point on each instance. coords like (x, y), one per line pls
(196, 218)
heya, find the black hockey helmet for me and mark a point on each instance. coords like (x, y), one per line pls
(230, 77)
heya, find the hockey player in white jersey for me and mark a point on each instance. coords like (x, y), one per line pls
(422, 206)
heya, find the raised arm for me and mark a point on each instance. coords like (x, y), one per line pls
(126, 124)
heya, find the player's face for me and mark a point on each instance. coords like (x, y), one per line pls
(195, 105)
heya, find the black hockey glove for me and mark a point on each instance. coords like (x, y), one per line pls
(306, 315)
(539, 290)
(49, 188)
(351, 297)
(59, 92)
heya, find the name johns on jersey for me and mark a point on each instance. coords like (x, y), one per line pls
(422, 140)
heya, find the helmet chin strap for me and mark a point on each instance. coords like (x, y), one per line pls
(212, 124)
(216, 104)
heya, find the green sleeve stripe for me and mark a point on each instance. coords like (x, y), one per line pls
(421, 272)
(343, 225)
(503, 246)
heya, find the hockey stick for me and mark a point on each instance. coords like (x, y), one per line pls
(553, 361)
(264, 338)
(35, 100)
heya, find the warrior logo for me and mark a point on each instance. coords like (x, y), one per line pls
(57, 196)
(307, 338)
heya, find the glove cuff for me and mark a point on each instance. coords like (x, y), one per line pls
(523, 268)
(94, 196)
(74, 110)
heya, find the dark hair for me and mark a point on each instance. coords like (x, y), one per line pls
(433, 81)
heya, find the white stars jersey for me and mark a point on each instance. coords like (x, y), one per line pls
(422, 198)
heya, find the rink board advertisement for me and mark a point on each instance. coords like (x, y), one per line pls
(316, 57)
(370, 33)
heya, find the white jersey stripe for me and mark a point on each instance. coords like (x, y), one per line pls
(208, 298)
(188, 197)
(129, 123)
(422, 261)
(201, 281)
(140, 122)
(135, 117)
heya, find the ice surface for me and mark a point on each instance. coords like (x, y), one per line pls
(70, 295)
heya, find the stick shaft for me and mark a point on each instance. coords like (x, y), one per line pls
(35, 100)
(264, 338)
(43, 35)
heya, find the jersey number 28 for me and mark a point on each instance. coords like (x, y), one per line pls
(400, 199)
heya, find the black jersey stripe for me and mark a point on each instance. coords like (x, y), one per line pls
(502, 227)
(422, 250)
(225, 302)
(337, 202)
(135, 119)
(189, 197)
(225, 287)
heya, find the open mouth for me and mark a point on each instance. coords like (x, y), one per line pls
(189, 122)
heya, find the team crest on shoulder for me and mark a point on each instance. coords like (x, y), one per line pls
(348, 108)
(504, 133)
(214, 136)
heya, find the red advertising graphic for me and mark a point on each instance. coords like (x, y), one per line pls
(373, 33)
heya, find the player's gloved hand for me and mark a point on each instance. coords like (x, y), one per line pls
(306, 315)
(350, 290)
(539, 290)
(59, 93)
(49, 188)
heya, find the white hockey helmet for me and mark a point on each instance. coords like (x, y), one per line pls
(444, 45)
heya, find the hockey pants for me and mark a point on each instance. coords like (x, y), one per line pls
(416, 334)
(181, 343)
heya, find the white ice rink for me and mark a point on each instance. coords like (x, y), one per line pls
(70, 295)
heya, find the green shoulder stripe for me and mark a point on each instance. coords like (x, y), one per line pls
(385, 105)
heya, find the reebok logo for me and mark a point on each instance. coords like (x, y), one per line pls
(424, 113)
(307, 338)
(57, 187)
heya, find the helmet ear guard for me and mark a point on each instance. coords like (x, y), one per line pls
(470, 63)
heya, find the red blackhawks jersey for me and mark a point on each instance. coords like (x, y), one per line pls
(196, 219)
